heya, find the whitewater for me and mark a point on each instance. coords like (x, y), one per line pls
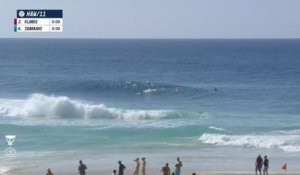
(218, 102)
(56, 108)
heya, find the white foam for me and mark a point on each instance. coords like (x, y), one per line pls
(148, 91)
(43, 106)
(288, 143)
(287, 132)
(4, 170)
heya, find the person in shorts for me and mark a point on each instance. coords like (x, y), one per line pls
(266, 166)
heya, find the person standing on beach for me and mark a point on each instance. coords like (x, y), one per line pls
(143, 166)
(81, 168)
(137, 167)
(178, 166)
(49, 172)
(166, 169)
(114, 172)
(121, 168)
(258, 164)
(266, 166)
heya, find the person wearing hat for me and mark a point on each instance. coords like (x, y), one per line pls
(266, 165)
(143, 166)
(137, 167)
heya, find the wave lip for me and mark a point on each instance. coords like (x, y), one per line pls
(288, 143)
(43, 106)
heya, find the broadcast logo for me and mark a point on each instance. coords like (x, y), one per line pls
(10, 152)
(10, 139)
(21, 13)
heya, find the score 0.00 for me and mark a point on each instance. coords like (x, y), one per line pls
(55, 28)
(55, 21)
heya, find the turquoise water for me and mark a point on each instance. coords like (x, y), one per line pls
(203, 100)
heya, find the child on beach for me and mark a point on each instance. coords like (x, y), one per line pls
(49, 172)
(114, 172)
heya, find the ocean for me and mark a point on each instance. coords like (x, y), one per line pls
(216, 104)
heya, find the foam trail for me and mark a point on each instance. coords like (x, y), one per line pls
(218, 129)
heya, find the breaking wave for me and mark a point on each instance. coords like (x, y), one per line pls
(43, 106)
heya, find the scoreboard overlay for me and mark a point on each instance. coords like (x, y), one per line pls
(38, 21)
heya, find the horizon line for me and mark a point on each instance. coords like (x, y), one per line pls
(149, 38)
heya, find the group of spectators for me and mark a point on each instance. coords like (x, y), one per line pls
(261, 163)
